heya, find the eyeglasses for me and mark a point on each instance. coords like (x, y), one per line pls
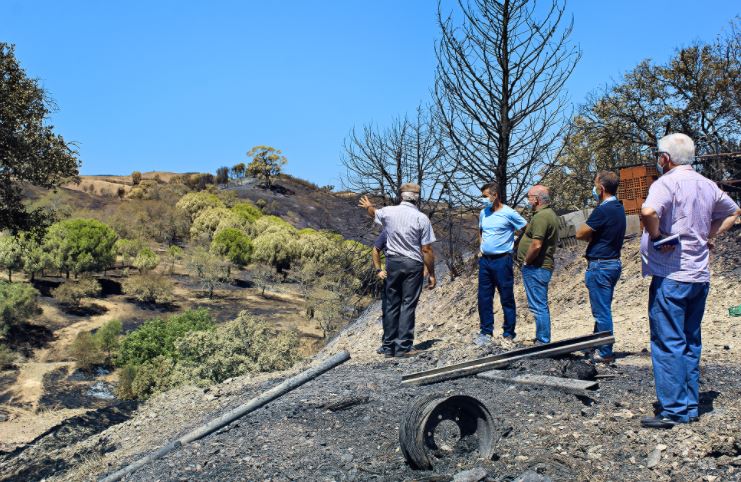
(659, 153)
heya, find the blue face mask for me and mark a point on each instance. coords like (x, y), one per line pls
(486, 202)
(595, 194)
(660, 168)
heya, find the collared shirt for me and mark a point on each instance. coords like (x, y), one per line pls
(608, 223)
(407, 230)
(686, 204)
(498, 229)
(380, 242)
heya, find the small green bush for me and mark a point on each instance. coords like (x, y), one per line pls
(18, 302)
(7, 357)
(124, 388)
(149, 288)
(71, 293)
(232, 244)
(86, 352)
(157, 337)
(107, 337)
(146, 260)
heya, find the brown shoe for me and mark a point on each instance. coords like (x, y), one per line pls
(407, 354)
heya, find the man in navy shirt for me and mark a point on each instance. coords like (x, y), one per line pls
(605, 232)
(497, 225)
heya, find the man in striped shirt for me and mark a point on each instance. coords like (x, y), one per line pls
(681, 202)
(408, 252)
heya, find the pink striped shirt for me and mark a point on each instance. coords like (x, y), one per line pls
(687, 203)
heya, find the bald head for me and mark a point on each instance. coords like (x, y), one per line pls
(541, 195)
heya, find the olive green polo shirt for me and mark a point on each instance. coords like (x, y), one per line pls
(543, 226)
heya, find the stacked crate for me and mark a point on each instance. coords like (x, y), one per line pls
(634, 184)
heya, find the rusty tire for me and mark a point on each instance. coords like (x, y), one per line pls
(417, 428)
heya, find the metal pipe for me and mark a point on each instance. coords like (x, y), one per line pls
(232, 415)
(479, 365)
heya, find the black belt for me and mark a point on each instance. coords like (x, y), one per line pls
(495, 256)
(602, 259)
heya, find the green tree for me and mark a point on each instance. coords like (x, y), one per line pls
(275, 247)
(267, 163)
(30, 151)
(81, 245)
(212, 220)
(272, 223)
(172, 256)
(18, 302)
(247, 211)
(238, 170)
(11, 255)
(195, 202)
(149, 288)
(232, 244)
(127, 249)
(263, 276)
(208, 268)
(156, 337)
(35, 258)
(146, 260)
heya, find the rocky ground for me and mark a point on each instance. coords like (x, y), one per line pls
(539, 431)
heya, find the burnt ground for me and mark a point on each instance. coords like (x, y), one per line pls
(558, 435)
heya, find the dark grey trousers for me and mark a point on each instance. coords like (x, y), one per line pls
(403, 287)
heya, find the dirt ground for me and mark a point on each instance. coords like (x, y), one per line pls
(540, 430)
(46, 388)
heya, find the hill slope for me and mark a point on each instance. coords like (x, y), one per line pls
(556, 434)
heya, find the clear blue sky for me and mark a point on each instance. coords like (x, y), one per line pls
(191, 86)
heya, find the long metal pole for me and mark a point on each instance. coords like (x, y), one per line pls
(232, 415)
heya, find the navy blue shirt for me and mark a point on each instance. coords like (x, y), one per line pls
(380, 242)
(608, 223)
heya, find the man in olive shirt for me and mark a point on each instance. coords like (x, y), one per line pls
(535, 254)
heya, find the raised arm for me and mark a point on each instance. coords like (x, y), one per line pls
(366, 204)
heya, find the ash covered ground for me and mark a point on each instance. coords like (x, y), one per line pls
(557, 435)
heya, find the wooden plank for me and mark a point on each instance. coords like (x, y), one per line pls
(479, 365)
(570, 385)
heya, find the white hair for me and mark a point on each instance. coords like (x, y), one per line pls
(411, 197)
(680, 147)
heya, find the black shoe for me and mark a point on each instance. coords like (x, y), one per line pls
(380, 350)
(694, 419)
(658, 422)
(388, 355)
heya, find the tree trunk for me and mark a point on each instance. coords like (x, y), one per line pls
(67, 274)
(10, 275)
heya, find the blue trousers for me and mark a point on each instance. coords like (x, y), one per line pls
(601, 278)
(675, 310)
(536, 288)
(494, 274)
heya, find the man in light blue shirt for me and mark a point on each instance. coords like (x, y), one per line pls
(497, 226)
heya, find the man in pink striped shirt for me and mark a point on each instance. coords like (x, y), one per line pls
(681, 202)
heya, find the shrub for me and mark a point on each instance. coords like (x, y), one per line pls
(71, 293)
(146, 260)
(247, 211)
(173, 254)
(107, 335)
(124, 388)
(127, 249)
(240, 346)
(271, 224)
(208, 268)
(211, 220)
(7, 357)
(233, 245)
(11, 255)
(86, 352)
(195, 202)
(153, 376)
(275, 247)
(157, 336)
(149, 288)
(136, 177)
(18, 302)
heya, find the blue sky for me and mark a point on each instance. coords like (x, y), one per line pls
(191, 86)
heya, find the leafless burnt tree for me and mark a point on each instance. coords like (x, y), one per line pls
(379, 162)
(499, 92)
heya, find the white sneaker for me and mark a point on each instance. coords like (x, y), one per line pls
(482, 340)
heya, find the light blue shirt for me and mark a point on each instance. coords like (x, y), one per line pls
(498, 229)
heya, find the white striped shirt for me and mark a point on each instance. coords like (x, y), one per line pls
(407, 230)
(686, 204)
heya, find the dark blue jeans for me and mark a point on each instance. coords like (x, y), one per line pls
(675, 310)
(536, 288)
(601, 278)
(494, 274)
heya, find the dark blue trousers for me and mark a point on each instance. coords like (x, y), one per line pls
(675, 310)
(403, 287)
(496, 273)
